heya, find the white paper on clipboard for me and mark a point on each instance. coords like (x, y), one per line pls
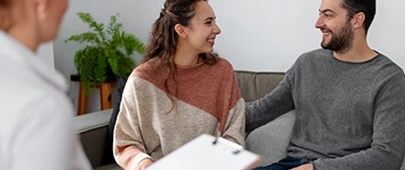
(208, 152)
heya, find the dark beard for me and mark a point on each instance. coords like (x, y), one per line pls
(342, 42)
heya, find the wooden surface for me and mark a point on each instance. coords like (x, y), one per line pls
(105, 97)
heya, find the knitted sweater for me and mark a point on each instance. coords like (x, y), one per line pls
(207, 100)
(349, 115)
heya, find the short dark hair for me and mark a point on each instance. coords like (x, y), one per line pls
(368, 7)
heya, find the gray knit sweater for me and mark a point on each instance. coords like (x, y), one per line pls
(349, 115)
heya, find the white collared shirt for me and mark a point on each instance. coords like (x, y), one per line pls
(36, 116)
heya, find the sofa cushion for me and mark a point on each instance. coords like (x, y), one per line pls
(92, 128)
(255, 85)
(271, 140)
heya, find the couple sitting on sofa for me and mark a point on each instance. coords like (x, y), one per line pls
(349, 99)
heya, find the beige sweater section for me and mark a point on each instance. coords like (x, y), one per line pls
(207, 101)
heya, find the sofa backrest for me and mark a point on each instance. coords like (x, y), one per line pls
(255, 85)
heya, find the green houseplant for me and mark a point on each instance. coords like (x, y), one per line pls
(107, 52)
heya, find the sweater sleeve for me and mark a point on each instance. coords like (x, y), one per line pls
(128, 146)
(234, 129)
(388, 139)
(274, 104)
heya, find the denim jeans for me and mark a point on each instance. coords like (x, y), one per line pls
(285, 164)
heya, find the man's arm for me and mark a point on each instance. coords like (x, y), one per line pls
(388, 140)
(274, 104)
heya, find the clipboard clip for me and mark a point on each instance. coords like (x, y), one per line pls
(215, 141)
(235, 152)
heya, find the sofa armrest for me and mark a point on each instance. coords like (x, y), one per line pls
(271, 140)
(92, 129)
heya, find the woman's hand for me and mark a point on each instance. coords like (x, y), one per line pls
(143, 164)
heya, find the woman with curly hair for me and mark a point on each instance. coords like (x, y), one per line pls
(180, 91)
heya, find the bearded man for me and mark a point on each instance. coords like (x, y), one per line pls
(349, 99)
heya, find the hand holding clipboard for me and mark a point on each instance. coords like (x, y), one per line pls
(208, 153)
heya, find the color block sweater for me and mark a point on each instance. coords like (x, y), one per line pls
(207, 100)
(350, 116)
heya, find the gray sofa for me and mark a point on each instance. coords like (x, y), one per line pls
(270, 141)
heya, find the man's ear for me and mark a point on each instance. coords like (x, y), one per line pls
(180, 29)
(358, 20)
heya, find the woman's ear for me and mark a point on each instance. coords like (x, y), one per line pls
(180, 29)
(40, 9)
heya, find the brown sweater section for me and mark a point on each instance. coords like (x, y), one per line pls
(207, 101)
(211, 88)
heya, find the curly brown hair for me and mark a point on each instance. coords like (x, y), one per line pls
(163, 37)
(3, 5)
(4, 2)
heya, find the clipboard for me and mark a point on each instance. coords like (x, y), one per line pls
(208, 152)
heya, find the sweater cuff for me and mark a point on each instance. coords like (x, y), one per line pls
(138, 158)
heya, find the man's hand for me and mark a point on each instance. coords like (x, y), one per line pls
(307, 166)
(143, 164)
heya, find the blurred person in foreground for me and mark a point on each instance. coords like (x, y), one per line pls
(36, 118)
